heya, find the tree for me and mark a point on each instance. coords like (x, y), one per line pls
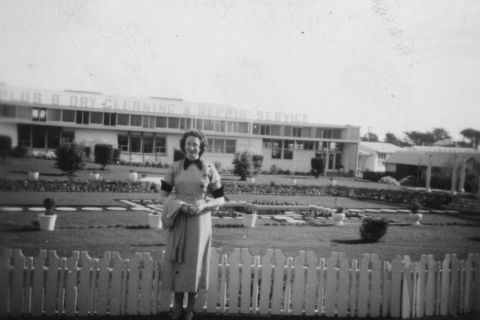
(257, 163)
(420, 138)
(317, 166)
(472, 135)
(370, 136)
(242, 165)
(391, 138)
(5, 146)
(69, 157)
(440, 134)
(103, 154)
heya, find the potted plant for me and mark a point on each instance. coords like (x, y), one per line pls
(133, 175)
(249, 216)
(155, 220)
(47, 219)
(414, 216)
(95, 175)
(33, 174)
(338, 216)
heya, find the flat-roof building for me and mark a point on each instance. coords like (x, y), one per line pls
(149, 129)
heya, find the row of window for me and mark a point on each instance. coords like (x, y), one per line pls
(290, 131)
(302, 145)
(42, 137)
(152, 122)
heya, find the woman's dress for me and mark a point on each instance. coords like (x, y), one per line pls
(190, 184)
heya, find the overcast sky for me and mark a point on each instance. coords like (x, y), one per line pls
(390, 66)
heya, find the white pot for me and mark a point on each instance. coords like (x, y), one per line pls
(94, 176)
(415, 218)
(33, 175)
(249, 220)
(252, 180)
(133, 176)
(338, 218)
(47, 222)
(155, 221)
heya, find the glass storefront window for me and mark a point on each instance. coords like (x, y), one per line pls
(123, 119)
(54, 114)
(135, 120)
(147, 144)
(161, 122)
(123, 142)
(96, 117)
(135, 143)
(68, 115)
(160, 145)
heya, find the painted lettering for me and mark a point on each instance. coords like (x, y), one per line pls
(55, 100)
(37, 97)
(84, 102)
(73, 101)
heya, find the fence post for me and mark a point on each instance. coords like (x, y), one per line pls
(407, 288)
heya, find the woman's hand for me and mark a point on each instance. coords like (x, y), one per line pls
(201, 205)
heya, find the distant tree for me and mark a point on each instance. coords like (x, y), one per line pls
(370, 136)
(472, 135)
(391, 138)
(420, 138)
(242, 165)
(440, 134)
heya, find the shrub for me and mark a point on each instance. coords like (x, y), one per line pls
(178, 155)
(5, 146)
(274, 169)
(372, 229)
(49, 204)
(116, 155)
(20, 152)
(257, 163)
(389, 180)
(69, 157)
(242, 164)
(317, 165)
(87, 150)
(103, 154)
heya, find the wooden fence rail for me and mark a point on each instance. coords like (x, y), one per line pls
(240, 283)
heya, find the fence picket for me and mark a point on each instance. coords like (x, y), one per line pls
(331, 285)
(445, 286)
(467, 298)
(246, 282)
(145, 305)
(407, 288)
(51, 285)
(223, 283)
(27, 292)
(133, 283)
(116, 285)
(454, 284)
(5, 269)
(298, 295)
(311, 284)
(461, 286)
(71, 284)
(38, 284)
(353, 302)
(61, 286)
(421, 287)
(101, 301)
(376, 285)
(396, 287)
(430, 290)
(287, 295)
(343, 286)
(278, 283)
(16, 301)
(387, 288)
(155, 287)
(84, 284)
(256, 279)
(212, 294)
(233, 285)
(476, 299)
(265, 282)
(321, 286)
(363, 286)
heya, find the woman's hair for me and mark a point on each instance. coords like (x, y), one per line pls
(194, 133)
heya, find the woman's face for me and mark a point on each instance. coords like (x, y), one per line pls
(192, 147)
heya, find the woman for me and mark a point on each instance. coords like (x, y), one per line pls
(188, 221)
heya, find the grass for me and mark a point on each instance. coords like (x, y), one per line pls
(80, 230)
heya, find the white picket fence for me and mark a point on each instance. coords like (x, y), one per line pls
(240, 283)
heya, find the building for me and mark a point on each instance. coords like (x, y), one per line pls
(149, 129)
(372, 155)
(409, 161)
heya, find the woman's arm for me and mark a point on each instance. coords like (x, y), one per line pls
(163, 196)
(203, 205)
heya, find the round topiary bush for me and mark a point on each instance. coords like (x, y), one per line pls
(372, 229)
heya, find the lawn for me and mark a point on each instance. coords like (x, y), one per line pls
(125, 231)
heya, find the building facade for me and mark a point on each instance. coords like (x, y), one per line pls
(372, 155)
(149, 129)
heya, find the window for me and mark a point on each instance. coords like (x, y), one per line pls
(39, 114)
(306, 132)
(221, 145)
(7, 111)
(24, 135)
(287, 154)
(265, 130)
(230, 146)
(68, 135)
(276, 149)
(287, 131)
(327, 133)
(147, 144)
(275, 130)
(173, 123)
(135, 120)
(38, 136)
(135, 143)
(123, 142)
(160, 145)
(148, 121)
(304, 145)
(231, 126)
(219, 126)
(267, 143)
(96, 117)
(109, 119)
(161, 122)
(54, 114)
(336, 134)
(319, 133)
(123, 119)
(199, 124)
(68, 116)
(296, 132)
(53, 137)
(24, 112)
(338, 161)
(82, 117)
(208, 125)
(185, 123)
(242, 127)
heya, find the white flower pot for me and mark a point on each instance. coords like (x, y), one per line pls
(133, 176)
(47, 222)
(33, 175)
(338, 218)
(252, 180)
(95, 176)
(155, 221)
(415, 218)
(249, 220)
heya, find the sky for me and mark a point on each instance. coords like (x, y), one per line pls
(386, 66)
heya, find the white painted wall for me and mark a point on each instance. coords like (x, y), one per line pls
(90, 137)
